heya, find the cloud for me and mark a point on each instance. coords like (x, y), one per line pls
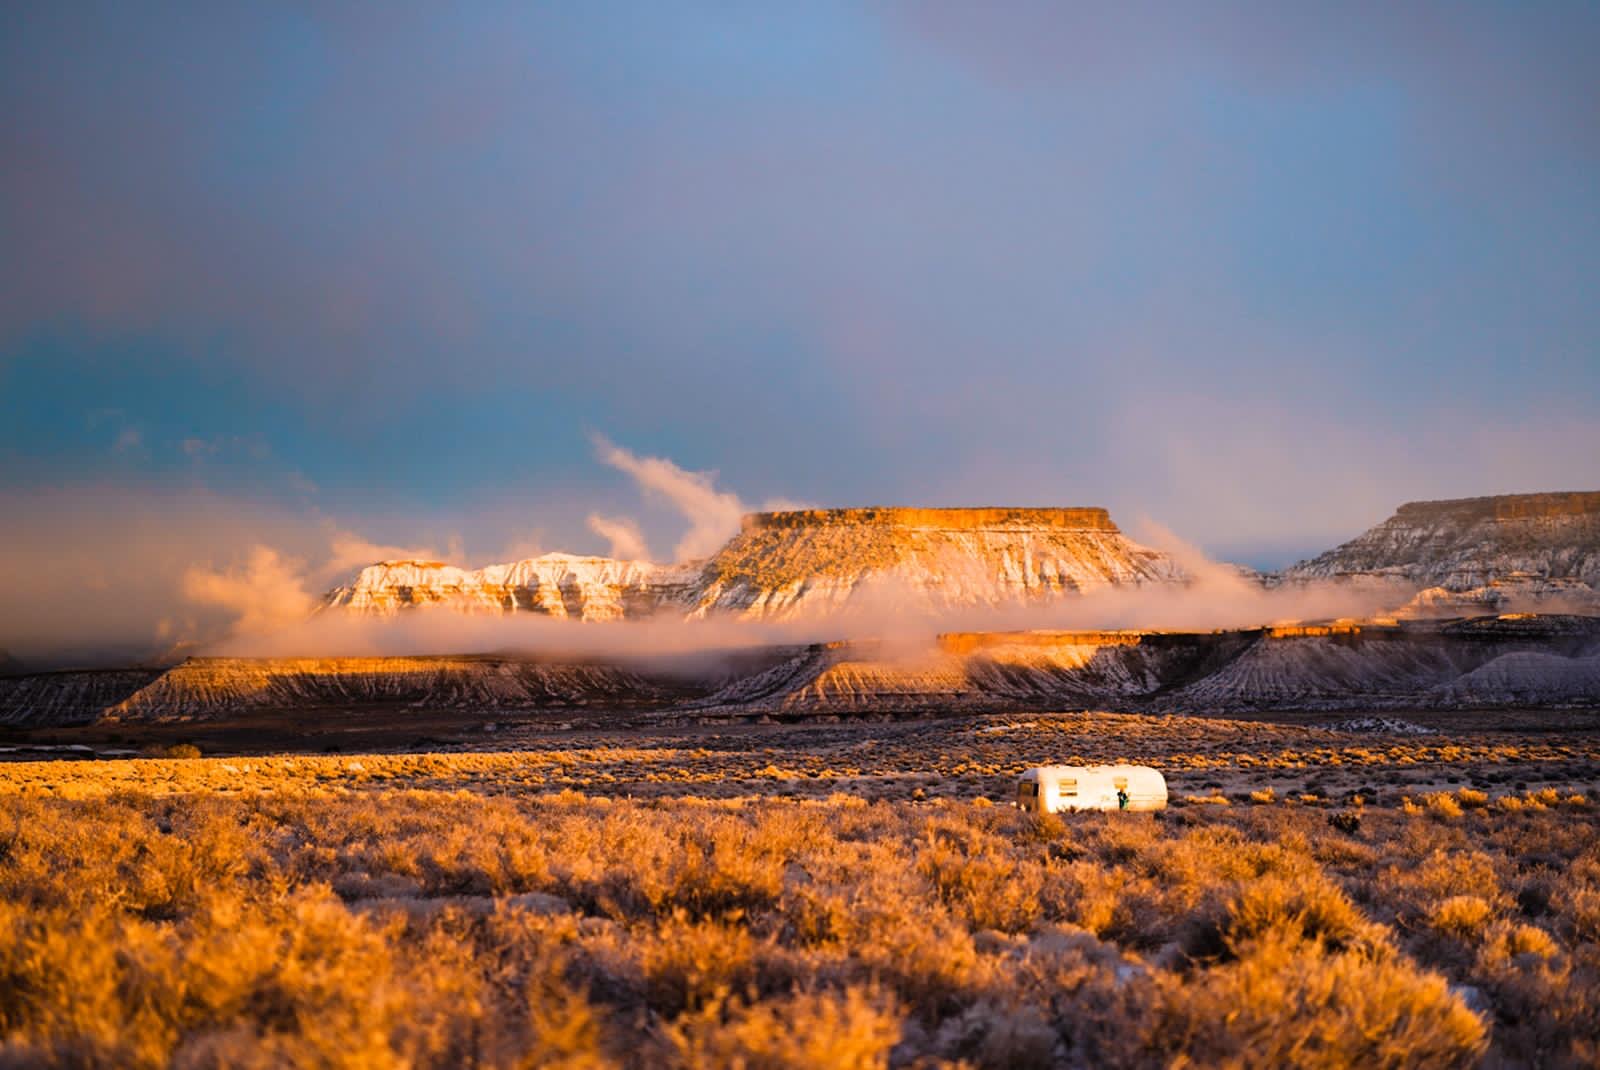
(114, 573)
(627, 542)
(713, 515)
(264, 595)
(253, 446)
(89, 571)
(350, 552)
(522, 547)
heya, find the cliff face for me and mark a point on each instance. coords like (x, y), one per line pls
(201, 687)
(789, 564)
(51, 698)
(1479, 553)
(554, 585)
(785, 565)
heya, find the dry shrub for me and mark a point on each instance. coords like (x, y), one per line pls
(932, 963)
(1463, 916)
(1504, 942)
(853, 1029)
(1345, 821)
(988, 890)
(1096, 898)
(436, 929)
(1579, 907)
(1416, 890)
(233, 981)
(1102, 1006)
(1293, 1004)
(1441, 804)
(1304, 909)
(688, 963)
(1543, 799)
(172, 750)
(565, 1031)
(998, 1036)
(1547, 1001)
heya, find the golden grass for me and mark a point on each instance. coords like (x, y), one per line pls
(388, 926)
(828, 897)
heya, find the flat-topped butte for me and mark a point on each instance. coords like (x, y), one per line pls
(1506, 506)
(965, 519)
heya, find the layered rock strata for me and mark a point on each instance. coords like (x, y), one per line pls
(206, 687)
(1477, 555)
(1526, 661)
(783, 565)
(552, 585)
(794, 564)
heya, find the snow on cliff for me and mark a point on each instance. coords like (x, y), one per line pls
(556, 585)
(785, 565)
(1479, 554)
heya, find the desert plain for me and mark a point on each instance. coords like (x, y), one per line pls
(1373, 891)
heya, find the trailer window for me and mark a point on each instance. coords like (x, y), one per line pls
(1068, 787)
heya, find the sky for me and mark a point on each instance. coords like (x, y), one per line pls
(482, 280)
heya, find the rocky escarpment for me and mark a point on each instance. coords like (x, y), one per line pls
(1500, 553)
(208, 687)
(552, 585)
(1520, 660)
(68, 697)
(794, 564)
(783, 565)
(1526, 661)
(1488, 662)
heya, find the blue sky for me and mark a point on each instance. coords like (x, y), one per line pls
(1257, 272)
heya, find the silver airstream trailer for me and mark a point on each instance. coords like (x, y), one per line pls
(1050, 788)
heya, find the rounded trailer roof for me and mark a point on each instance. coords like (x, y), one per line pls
(1079, 770)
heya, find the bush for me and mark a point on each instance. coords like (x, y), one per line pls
(429, 928)
(1293, 1005)
(853, 1030)
(1346, 821)
(173, 750)
(1463, 916)
(1441, 804)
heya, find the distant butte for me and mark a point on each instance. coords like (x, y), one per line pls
(1508, 506)
(798, 563)
(960, 519)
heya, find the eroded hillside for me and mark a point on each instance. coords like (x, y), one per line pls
(1506, 552)
(792, 564)
(1526, 661)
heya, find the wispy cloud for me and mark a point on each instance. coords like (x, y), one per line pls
(713, 514)
(627, 541)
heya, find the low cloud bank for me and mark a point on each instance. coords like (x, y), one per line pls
(1215, 596)
(137, 575)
